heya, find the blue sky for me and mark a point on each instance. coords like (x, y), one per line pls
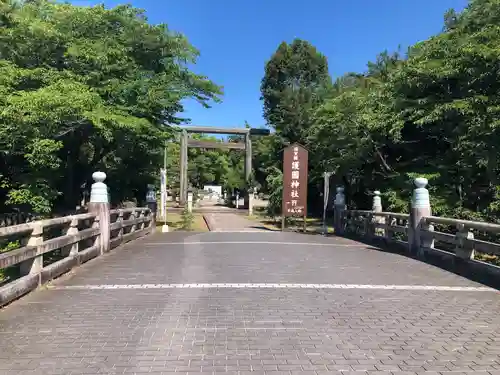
(236, 38)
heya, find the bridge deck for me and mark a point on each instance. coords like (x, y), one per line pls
(195, 304)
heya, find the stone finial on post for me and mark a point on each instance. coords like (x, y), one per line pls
(152, 205)
(420, 207)
(339, 208)
(99, 204)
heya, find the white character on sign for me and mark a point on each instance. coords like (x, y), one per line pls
(295, 175)
(294, 194)
(295, 184)
(295, 157)
(295, 149)
(294, 203)
(295, 165)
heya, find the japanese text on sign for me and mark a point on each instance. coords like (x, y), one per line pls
(295, 180)
(294, 193)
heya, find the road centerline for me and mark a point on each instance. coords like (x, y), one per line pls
(152, 244)
(272, 286)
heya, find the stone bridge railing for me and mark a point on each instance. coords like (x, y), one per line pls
(473, 244)
(16, 218)
(36, 252)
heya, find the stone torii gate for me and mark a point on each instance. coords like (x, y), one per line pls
(187, 142)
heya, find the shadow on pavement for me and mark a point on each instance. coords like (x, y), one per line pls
(264, 228)
(449, 263)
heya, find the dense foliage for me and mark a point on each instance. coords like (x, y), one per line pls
(295, 83)
(87, 88)
(433, 112)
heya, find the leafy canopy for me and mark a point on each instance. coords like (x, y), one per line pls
(83, 88)
(433, 112)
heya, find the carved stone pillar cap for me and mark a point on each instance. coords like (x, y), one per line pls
(421, 182)
(421, 194)
(99, 176)
(99, 190)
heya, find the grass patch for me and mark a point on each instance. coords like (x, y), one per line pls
(265, 222)
(313, 225)
(174, 222)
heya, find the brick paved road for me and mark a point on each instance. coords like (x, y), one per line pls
(281, 329)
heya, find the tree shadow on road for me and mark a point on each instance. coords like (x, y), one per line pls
(264, 228)
(446, 263)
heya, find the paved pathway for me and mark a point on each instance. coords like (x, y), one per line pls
(230, 222)
(273, 303)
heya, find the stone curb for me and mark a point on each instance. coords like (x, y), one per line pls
(210, 222)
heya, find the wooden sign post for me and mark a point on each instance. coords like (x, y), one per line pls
(295, 170)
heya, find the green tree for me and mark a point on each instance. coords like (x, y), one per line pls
(86, 88)
(447, 96)
(434, 113)
(296, 77)
(265, 155)
(354, 130)
(208, 166)
(295, 83)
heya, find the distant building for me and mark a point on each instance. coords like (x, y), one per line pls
(215, 191)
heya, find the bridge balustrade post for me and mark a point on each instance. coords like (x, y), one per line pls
(119, 219)
(132, 216)
(339, 208)
(420, 207)
(368, 228)
(142, 215)
(377, 207)
(464, 248)
(389, 233)
(34, 265)
(426, 239)
(250, 204)
(153, 206)
(190, 201)
(99, 204)
(73, 229)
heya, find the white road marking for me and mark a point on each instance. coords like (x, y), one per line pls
(270, 328)
(272, 286)
(253, 243)
(245, 231)
(215, 329)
